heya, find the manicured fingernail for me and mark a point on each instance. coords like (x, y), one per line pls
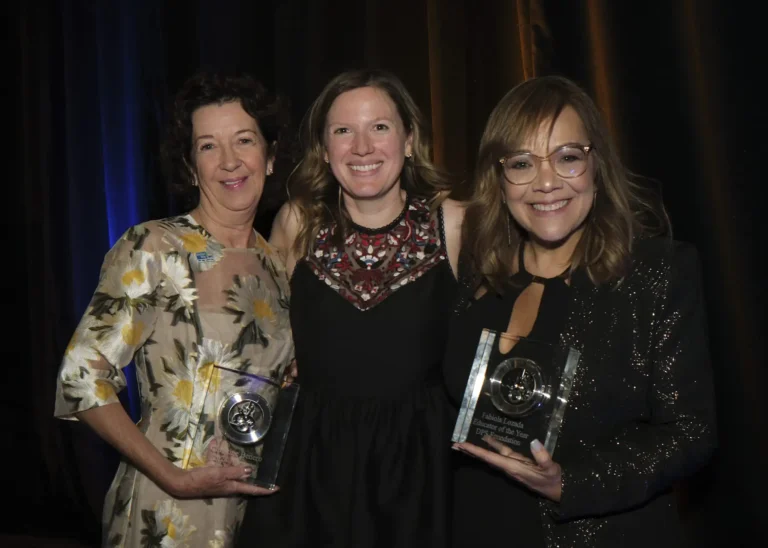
(455, 447)
(247, 471)
(536, 446)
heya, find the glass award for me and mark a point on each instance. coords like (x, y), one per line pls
(517, 391)
(248, 422)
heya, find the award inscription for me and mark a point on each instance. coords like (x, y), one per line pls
(503, 429)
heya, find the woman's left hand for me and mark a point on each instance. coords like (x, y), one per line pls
(543, 476)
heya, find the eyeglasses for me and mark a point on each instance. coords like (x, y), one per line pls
(521, 168)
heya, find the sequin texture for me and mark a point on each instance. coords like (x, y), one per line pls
(640, 417)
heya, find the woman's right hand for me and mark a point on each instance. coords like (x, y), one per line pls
(213, 481)
(113, 424)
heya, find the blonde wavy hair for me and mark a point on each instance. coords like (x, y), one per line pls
(312, 188)
(623, 209)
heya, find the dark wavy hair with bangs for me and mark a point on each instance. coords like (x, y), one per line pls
(205, 88)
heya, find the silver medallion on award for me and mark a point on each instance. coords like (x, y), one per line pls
(517, 391)
(250, 422)
(517, 387)
(245, 417)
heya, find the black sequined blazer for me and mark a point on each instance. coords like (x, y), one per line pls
(641, 414)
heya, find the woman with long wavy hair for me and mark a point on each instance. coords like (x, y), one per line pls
(564, 249)
(372, 243)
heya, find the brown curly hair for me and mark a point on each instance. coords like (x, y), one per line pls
(623, 209)
(312, 187)
(208, 88)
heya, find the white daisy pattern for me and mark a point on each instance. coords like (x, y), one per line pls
(251, 302)
(221, 539)
(146, 310)
(174, 523)
(179, 290)
(133, 276)
(204, 252)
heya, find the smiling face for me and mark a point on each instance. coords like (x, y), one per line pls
(230, 156)
(552, 209)
(366, 143)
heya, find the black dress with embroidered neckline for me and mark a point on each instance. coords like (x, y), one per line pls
(368, 457)
(374, 263)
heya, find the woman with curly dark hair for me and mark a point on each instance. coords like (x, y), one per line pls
(185, 297)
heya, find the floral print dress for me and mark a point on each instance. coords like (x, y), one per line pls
(177, 302)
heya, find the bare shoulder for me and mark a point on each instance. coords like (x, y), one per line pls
(285, 229)
(285, 226)
(287, 217)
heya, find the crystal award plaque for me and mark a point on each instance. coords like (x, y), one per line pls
(250, 417)
(517, 391)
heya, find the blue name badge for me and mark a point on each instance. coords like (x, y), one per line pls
(203, 257)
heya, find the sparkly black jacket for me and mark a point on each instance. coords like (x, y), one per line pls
(641, 413)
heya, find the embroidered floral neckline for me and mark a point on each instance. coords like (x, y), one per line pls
(373, 264)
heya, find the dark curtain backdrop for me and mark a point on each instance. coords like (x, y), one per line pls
(88, 90)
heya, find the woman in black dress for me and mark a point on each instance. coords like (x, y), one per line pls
(372, 244)
(561, 250)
